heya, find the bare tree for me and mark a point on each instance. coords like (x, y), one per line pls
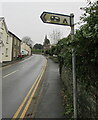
(28, 41)
(55, 36)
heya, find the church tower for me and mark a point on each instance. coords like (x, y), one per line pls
(46, 43)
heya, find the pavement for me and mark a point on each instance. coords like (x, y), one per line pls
(50, 101)
(12, 62)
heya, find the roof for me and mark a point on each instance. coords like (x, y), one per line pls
(14, 35)
(3, 19)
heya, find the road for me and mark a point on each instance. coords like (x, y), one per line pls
(17, 80)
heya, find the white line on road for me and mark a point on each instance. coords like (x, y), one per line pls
(10, 73)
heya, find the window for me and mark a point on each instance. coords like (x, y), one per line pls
(7, 39)
(18, 42)
(14, 54)
(14, 41)
(6, 52)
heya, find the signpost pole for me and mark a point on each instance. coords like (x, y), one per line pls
(74, 69)
(59, 19)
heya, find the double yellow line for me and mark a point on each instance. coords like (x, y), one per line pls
(34, 88)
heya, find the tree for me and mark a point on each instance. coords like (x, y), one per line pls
(38, 46)
(28, 41)
(55, 36)
(85, 43)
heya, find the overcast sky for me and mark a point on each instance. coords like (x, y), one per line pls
(23, 18)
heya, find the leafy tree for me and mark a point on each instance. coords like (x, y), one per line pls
(86, 42)
(55, 36)
(38, 46)
(28, 41)
(86, 45)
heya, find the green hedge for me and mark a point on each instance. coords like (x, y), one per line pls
(86, 46)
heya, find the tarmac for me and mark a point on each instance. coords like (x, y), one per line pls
(51, 102)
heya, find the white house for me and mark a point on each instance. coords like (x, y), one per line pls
(6, 47)
(11, 44)
(1, 42)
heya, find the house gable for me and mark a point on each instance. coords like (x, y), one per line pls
(2, 19)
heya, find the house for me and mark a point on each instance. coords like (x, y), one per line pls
(26, 49)
(11, 44)
(16, 45)
(1, 42)
(6, 43)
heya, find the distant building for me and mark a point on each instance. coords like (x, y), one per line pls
(25, 49)
(46, 44)
(10, 43)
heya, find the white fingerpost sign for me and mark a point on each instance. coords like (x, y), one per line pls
(54, 18)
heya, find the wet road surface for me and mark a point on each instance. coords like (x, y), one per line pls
(17, 79)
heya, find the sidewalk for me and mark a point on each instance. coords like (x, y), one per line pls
(50, 101)
(12, 62)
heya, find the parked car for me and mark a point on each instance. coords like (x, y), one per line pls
(20, 56)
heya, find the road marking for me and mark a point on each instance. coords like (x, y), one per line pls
(27, 96)
(32, 95)
(10, 74)
(24, 101)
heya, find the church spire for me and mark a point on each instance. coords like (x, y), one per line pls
(45, 37)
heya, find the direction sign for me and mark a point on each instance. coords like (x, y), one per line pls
(54, 18)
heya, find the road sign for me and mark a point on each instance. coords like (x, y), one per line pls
(54, 18)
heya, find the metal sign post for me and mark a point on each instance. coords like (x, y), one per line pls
(74, 69)
(60, 19)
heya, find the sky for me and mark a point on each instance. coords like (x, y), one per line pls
(23, 18)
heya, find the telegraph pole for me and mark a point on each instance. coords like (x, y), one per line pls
(74, 70)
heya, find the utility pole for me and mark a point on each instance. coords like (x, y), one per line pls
(74, 70)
